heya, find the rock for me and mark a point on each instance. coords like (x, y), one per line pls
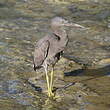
(104, 14)
(12, 87)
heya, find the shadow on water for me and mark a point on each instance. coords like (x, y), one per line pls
(74, 73)
(100, 72)
(37, 88)
(89, 73)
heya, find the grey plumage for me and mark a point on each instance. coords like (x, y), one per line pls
(49, 49)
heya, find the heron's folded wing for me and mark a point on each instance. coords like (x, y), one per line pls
(41, 52)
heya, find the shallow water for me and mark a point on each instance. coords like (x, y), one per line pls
(84, 85)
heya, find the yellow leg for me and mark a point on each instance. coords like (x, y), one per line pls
(51, 81)
(47, 79)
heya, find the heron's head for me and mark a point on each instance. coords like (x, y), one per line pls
(59, 22)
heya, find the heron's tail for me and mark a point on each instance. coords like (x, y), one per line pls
(34, 66)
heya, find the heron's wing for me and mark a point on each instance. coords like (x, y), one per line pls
(41, 52)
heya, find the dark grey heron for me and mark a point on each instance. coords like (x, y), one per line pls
(49, 49)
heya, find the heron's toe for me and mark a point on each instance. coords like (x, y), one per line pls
(52, 94)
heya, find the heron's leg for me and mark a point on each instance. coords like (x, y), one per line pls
(51, 81)
(47, 79)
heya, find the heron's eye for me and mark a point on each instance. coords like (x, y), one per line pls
(65, 21)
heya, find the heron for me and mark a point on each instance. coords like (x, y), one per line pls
(49, 49)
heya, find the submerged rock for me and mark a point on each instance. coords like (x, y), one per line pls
(12, 86)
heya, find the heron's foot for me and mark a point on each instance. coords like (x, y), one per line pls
(52, 94)
(56, 97)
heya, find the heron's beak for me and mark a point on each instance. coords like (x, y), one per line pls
(74, 25)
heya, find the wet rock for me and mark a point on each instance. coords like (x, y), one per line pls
(12, 86)
(104, 14)
(23, 98)
(79, 98)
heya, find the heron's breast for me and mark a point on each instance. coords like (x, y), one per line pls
(51, 60)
